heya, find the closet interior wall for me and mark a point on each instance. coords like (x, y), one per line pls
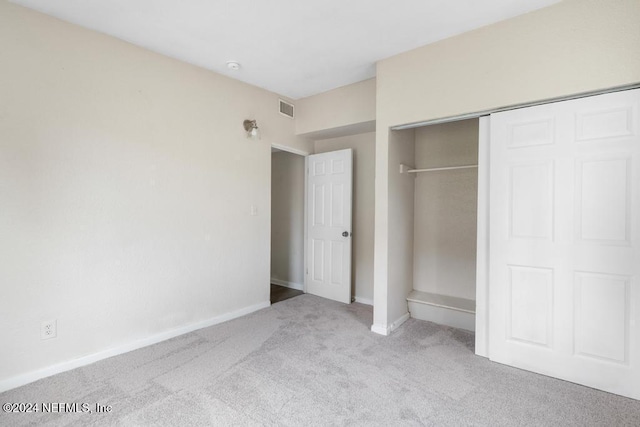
(445, 218)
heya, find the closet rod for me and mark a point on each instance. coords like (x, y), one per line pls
(441, 169)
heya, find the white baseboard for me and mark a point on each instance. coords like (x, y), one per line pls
(366, 301)
(387, 329)
(286, 284)
(380, 329)
(399, 321)
(30, 377)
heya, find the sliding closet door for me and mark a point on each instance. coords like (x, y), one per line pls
(565, 240)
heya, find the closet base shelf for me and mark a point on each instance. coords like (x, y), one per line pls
(442, 309)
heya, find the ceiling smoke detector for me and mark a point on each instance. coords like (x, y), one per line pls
(233, 65)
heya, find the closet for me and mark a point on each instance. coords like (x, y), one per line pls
(445, 170)
(538, 249)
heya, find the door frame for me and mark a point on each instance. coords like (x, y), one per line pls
(304, 154)
(482, 234)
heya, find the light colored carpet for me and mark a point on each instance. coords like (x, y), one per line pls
(309, 361)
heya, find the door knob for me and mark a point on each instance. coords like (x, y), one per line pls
(345, 234)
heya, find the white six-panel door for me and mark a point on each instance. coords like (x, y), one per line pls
(329, 202)
(565, 240)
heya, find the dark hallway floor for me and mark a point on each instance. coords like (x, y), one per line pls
(281, 293)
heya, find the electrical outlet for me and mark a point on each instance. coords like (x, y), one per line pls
(48, 329)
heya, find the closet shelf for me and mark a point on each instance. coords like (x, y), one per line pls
(442, 169)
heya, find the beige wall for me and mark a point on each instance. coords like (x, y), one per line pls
(346, 110)
(363, 208)
(126, 185)
(572, 47)
(445, 223)
(401, 219)
(287, 218)
(390, 307)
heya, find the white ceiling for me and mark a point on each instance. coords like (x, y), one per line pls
(296, 48)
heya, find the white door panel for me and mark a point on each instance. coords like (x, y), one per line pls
(329, 192)
(565, 240)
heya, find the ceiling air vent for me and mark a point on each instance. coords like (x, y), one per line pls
(286, 108)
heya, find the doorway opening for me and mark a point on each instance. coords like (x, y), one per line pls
(287, 225)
